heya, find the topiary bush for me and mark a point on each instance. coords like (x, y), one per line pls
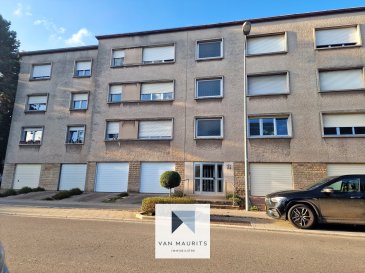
(25, 190)
(149, 203)
(170, 179)
(65, 194)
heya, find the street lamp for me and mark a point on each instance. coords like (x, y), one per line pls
(246, 28)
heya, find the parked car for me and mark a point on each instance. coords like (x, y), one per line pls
(339, 199)
(3, 268)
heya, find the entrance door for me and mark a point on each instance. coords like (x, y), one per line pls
(208, 178)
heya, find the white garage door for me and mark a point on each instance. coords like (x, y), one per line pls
(73, 176)
(150, 176)
(270, 177)
(112, 177)
(342, 169)
(27, 175)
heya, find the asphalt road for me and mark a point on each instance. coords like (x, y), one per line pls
(61, 245)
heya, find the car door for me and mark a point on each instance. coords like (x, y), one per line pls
(346, 202)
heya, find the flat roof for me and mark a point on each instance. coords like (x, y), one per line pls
(233, 23)
(58, 50)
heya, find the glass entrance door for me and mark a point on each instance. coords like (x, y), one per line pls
(208, 177)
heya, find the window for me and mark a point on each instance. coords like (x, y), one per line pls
(157, 91)
(37, 103)
(79, 101)
(269, 127)
(160, 54)
(31, 135)
(346, 185)
(338, 37)
(115, 93)
(209, 127)
(83, 69)
(257, 45)
(112, 130)
(75, 135)
(41, 71)
(343, 124)
(155, 129)
(209, 88)
(349, 79)
(212, 49)
(118, 58)
(268, 84)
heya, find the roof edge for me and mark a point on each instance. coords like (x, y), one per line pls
(233, 23)
(58, 50)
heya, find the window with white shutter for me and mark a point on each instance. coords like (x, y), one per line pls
(115, 93)
(347, 124)
(79, 101)
(338, 37)
(349, 79)
(118, 56)
(112, 130)
(37, 103)
(159, 54)
(257, 45)
(155, 129)
(41, 71)
(83, 69)
(157, 91)
(267, 84)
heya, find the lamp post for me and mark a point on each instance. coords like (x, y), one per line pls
(246, 28)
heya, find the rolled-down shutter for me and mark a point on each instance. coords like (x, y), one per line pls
(118, 54)
(115, 89)
(37, 99)
(83, 65)
(341, 80)
(155, 129)
(73, 176)
(112, 177)
(266, 44)
(337, 36)
(150, 176)
(343, 169)
(27, 175)
(267, 84)
(343, 120)
(112, 127)
(163, 87)
(41, 71)
(161, 53)
(80, 96)
(270, 177)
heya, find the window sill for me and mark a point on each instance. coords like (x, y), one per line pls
(269, 95)
(30, 144)
(114, 102)
(342, 90)
(81, 77)
(267, 54)
(40, 79)
(208, 138)
(147, 101)
(154, 139)
(209, 59)
(348, 136)
(208, 98)
(111, 140)
(141, 64)
(270, 137)
(74, 143)
(337, 47)
(35, 111)
(78, 110)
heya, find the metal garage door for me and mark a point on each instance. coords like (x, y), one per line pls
(73, 176)
(112, 177)
(342, 169)
(150, 176)
(27, 175)
(270, 177)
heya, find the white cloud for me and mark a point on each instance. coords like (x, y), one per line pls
(21, 10)
(77, 39)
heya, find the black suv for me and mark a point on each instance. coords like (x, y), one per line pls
(339, 199)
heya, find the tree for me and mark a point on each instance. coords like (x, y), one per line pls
(9, 69)
(170, 179)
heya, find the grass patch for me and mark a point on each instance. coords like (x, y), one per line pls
(64, 194)
(113, 199)
(149, 203)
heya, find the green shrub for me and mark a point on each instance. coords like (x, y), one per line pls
(178, 194)
(66, 194)
(25, 190)
(148, 204)
(123, 194)
(170, 179)
(38, 189)
(8, 192)
(75, 191)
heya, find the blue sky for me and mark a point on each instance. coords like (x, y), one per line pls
(45, 24)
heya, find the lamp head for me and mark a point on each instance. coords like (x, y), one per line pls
(246, 28)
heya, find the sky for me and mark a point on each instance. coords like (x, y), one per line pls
(48, 24)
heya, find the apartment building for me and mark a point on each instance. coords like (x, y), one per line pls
(113, 117)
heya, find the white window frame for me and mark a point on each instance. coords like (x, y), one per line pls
(197, 58)
(338, 134)
(43, 77)
(109, 95)
(36, 95)
(209, 79)
(112, 59)
(275, 135)
(278, 73)
(78, 132)
(359, 43)
(76, 70)
(106, 131)
(36, 129)
(161, 94)
(196, 121)
(335, 70)
(159, 61)
(285, 34)
(72, 101)
(156, 138)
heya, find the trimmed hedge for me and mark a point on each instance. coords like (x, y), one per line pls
(8, 192)
(23, 190)
(65, 194)
(148, 204)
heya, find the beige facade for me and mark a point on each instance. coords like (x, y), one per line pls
(305, 150)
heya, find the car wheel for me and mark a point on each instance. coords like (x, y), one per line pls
(302, 216)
